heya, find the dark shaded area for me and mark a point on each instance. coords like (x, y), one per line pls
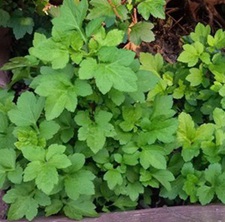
(181, 18)
(3, 206)
(5, 46)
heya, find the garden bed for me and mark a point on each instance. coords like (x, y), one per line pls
(98, 117)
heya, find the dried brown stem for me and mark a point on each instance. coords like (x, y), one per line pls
(114, 9)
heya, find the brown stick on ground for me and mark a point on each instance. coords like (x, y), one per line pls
(5, 42)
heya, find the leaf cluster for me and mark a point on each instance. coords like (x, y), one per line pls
(83, 134)
(195, 82)
(102, 129)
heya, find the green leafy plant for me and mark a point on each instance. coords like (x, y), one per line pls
(196, 84)
(83, 134)
(98, 129)
(20, 16)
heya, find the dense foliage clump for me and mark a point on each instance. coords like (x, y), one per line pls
(102, 126)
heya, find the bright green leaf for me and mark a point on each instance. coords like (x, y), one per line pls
(48, 129)
(79, 183)
(16, 175)
(7, 159)
(152, 7)
(27, 111)
(141, 31)
(164, 177)
(113, 178)
(47, 178)
(48, 50)
(61, 95)
(153, 156)
(112, 71)
(205, 194)
(55, 206)
(195, 77)
(134, 190)
(71, 17)
(80, 208)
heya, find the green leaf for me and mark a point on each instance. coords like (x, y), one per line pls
(48, 50)
(163, 107)
(7, 159)
(95, 133)
(102, 8)
(47, 178)
(186, 130)
(177, 186)
(152, 63)
(55, 206)
(217, 66)
(31, 171)
(191, 53)
(218, 40)
(219, 189)
(71, 17)
(205, 133)
(4, 122)
(20, 62)
(26, 206)
(205, 194)
(146, 80)
(28, 137)
(195, 77)
(112, 71)
(212, 173)
(205, 58)
(101, 157)
(116, 96)
(123, 203)
(201, 33)
(112, 38)
(93, 26)
(42, 198)
(130, 115)
(219, 117)
(160, 129)
(33, 153)
(80, 208)
(152, 7)
(77, 160)
(83, 88)
(56, 158)
(141, 31)
(61, 94)
(134, 190)
(66, 122)
(48, 129)
(4, 18)
(153, 156)
(16, 175)
(44, 171)
(22, 202)
(20, 25)
(79, 183)
(113, 178)
(164, 177)
(190, 187)
(27, 111)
